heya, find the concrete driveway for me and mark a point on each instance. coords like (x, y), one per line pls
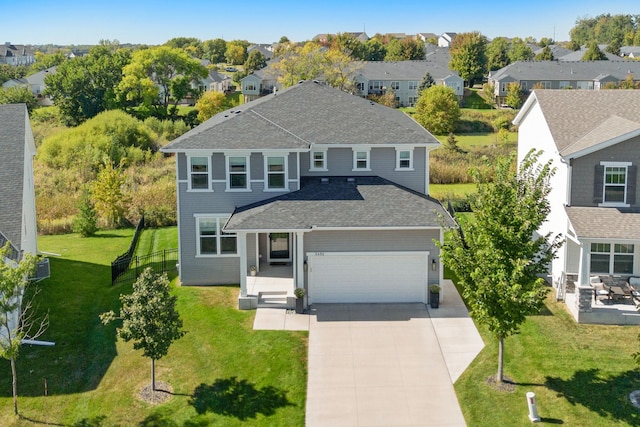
(387, 364)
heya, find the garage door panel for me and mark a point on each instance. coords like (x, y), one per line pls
(372, 277)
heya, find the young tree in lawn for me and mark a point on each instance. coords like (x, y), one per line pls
(17, 316)
(514, 95)
(499, 257)
(437, 109)
(149, 317)
(108, 194)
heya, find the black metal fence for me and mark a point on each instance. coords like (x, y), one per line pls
(130, 268)
(121, 263)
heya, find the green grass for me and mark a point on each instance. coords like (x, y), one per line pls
(156, 239)
(581, 374)
(470, 141)
(446, 191)
(93, 378)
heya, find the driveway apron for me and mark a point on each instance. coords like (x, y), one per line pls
(377, 365)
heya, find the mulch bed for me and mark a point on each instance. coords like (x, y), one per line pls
(163, 392)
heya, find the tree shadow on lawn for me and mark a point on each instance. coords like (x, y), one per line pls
(237, 398)
(609, 397)
(74, 296)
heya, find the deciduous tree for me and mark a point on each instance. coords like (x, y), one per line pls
(519, 50)
(497, 53)
(18, 95)
(84, 86)
(514, 95)
(214, 50)
(149, 318)
(468, 56)
(255, 61)
(108, 194)
(406, 49)
(157, 75)
(438, 110)
(498, 257)
(236, 52)
(18, 319)
(210, 104)
(545, 55)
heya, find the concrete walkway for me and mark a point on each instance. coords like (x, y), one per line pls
(383, 364)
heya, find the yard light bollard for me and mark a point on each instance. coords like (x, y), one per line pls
(533, 411)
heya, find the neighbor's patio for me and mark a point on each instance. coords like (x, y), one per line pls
(614, 312)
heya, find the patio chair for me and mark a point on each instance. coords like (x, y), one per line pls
(633, 287)
(600, 290)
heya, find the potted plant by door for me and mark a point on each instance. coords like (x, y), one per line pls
(253, 270)
(299, 293)
(434, 296)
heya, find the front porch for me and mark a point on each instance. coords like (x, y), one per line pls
(272, 286)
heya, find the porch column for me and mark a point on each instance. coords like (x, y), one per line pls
(299, 259)
(584, 292)
(242, 251)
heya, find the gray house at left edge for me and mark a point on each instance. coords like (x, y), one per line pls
(17, 193)
(329, 184)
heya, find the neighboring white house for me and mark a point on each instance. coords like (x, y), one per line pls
(446, 39)
(17, 54)
(592, 137)
(35, 83)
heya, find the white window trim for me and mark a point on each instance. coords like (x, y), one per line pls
(312, 167)
(221, 220)
(266, 172)
(401, 169)
(604, 183)
(189, 181)
(612, 254)
(228, 174)
(355, 159)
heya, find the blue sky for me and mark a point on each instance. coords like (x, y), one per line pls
(154, 22)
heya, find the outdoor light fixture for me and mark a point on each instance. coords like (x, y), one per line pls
(434, 265)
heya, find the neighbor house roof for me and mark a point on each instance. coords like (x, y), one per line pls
(297, 117)
(13, 122)
(404, 70)
(595, 222)
(580, 119)
(566, 70)
(336, 202)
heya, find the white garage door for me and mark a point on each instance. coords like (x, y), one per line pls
(350, 277)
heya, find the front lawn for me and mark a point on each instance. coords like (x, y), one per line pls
(222, 372)
(581, 374)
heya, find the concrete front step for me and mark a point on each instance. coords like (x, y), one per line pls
(273, 299)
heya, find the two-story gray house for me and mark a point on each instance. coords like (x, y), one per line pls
(330, 184)
(593, 139)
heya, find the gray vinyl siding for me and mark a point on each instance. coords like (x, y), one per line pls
(382, 163)
(375, 241)
(583, 170)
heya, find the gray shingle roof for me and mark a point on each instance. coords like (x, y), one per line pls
(405, 70)
(592, 222)
(304, 114)
(578, 119)
(13, 119)
(367, 202)
(567, 70)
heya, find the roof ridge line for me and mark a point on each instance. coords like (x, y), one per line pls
(279, 127)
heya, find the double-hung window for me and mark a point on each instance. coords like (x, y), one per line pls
(395, 85)
(413, 85)
(238, 173)
(276, 172)
(212, 241)
(612, 258)
(404, 160)
(615, 183)
(318, 160)
(199, 173)
(361, 161)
